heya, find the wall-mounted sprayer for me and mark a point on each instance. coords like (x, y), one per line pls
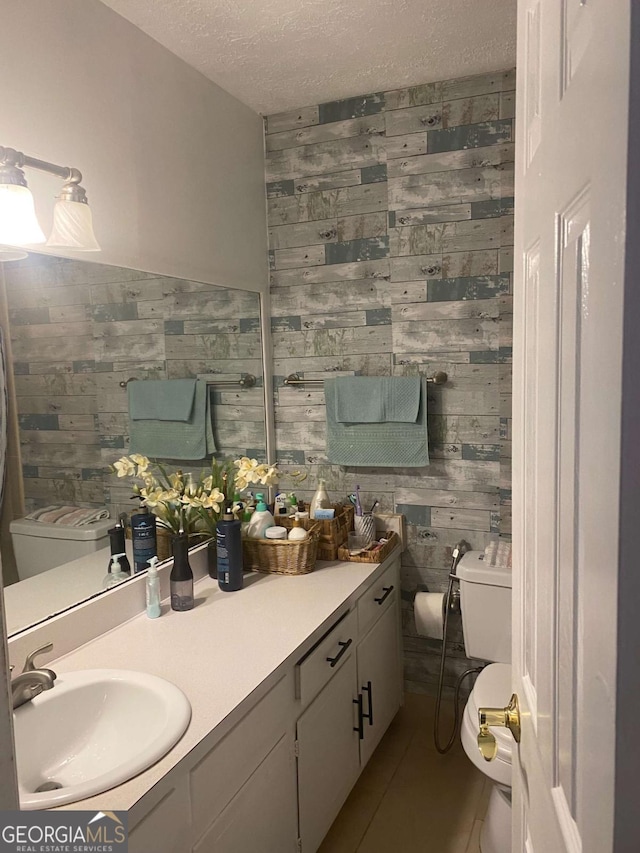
(451, 604)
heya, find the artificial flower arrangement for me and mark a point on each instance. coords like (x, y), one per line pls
(179, 502)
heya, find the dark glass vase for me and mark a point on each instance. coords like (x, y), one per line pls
(212, 558)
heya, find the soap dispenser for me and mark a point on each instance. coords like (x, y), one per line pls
(153, 590)
(116, 544)
(115, 574)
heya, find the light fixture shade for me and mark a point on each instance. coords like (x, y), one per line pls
(18, 222)
(73, 227)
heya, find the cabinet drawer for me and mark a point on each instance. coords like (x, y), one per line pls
(326, 658)
(379, 596)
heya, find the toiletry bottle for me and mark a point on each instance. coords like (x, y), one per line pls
(297, 532)
(143, 534)
(280, 505)
(153, 589)
(320, 499)
(260, 520)
(229, 544)
(181, 579)
(115, 574)
(116, 543)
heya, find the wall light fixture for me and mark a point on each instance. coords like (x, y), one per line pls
(72, 221)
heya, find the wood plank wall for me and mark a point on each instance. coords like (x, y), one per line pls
(78, 329)
(391, 234)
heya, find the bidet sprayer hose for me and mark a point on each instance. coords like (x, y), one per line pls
(456, 555)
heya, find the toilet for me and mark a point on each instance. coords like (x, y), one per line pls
(39, 547)
(485, 599)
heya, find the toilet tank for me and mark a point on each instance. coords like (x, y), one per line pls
(485, 598)
(39, 546)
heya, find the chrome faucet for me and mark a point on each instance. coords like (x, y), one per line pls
(31, 681)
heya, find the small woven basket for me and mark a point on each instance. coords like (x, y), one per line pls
(369, 556)
(333, 532)
(281, 556)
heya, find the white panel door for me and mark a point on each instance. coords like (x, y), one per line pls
(572, 121)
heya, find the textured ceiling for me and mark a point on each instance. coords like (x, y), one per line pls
(282, 54)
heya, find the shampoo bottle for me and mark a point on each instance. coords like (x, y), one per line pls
(116, 543)
(153, 590)
(320, 500)
(229, 545)
(181, 575)
(143, 534)
(115, 574)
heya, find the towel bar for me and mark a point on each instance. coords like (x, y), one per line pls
(438, 378)
(247, 381)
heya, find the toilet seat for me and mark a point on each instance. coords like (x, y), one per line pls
(491, 690)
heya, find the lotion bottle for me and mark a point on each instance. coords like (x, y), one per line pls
(153, 590)
(260, 520)
(297, 532)
(320, 499)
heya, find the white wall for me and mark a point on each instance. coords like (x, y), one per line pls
(172, 164)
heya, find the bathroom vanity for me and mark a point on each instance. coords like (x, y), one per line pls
(292, 683)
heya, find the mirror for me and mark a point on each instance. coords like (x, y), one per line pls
(75, 333)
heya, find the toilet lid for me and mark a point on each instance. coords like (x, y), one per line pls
(493, 690)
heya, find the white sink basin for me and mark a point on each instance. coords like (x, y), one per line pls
(92, 731)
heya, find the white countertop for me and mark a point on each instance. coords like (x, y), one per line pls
(220, 652)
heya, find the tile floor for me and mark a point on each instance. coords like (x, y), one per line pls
(409, 798)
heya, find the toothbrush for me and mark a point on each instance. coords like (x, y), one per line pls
(358, 504)
(373, 506)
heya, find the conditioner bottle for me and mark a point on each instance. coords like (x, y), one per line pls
(229, 545)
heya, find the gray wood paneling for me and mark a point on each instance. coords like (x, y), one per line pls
(443, 199)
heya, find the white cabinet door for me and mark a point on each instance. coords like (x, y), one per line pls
(379, 678)
(328, 755)
(262, 816)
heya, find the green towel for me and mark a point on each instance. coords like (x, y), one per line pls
(192, 439)
(161, 399)
(377, 399)
(380, 445)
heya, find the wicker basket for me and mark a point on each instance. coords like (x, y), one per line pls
(372, 556)
(333, 532)
(280, 555)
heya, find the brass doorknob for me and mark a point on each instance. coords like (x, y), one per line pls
(508, 717)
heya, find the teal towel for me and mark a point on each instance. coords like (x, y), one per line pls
(380, 445)
(161, 399)
(192, 439)
(377, 399)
